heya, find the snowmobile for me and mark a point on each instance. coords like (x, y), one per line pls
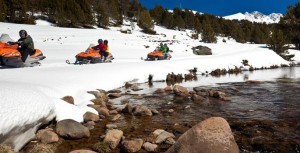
(91, 56)
(11, 57)
(157, 55)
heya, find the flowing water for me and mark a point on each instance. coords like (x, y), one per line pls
(264, 117)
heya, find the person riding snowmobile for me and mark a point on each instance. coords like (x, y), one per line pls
(165, 49)
(26, 45)
(101, 46)
(104, 53)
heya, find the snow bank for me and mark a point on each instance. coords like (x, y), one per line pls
(23, 109)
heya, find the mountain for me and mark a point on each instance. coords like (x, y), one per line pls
(256, 17)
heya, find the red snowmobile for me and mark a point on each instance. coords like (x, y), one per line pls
(11, 57)
(91, 56)
(157, 55)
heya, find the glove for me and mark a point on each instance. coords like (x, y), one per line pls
(11, 42)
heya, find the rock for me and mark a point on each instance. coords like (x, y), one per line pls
(150, 147)
(201, 50)
(42, 148)
(101, 110)
(158, 132)
(171, 110)
(128, 108)
(210, 136)
(47, 136)
(124, 101)
(114, 95)
(90, 123)
(111, 126)
(116, 117)
(128, 85)
(170, 141)
(89, 116)
(254, 82)
(154, 111)
(197, 98)
(113, 112)
(180, 91)
(5, 149)
(136, 88)
(71, 129)
(133, 145)
(168, 88)
(141, 110)
(115, 91)
(68, 99)
(163, 136)
(159, 91)
(113, 137)
(82, 151)
(99, 102)
(100, 95)
(199, 89)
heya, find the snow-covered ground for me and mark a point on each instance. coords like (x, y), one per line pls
(39, 88)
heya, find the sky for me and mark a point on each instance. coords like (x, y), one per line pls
(225, 7)
(36, 92)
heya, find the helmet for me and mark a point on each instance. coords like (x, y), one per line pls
(165, 45)
(105, 42)
(21, 32)
(100, 40)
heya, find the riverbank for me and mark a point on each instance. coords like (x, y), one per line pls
(261, 114)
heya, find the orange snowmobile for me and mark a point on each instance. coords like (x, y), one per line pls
(157, 55)
(11, 57)
(91, 56)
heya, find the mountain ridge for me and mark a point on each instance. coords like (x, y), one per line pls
(255, 17)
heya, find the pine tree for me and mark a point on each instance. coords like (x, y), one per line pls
(168, 20)
(257, 35)
(87, 12)
(114, 11)
(102, 15)
(17, 10)
(125, 7)
(197, 26)
(290, 24)
(247, 28)
(145, 20)
(189, 19)
(3, 10)
(135, 9)
(277, 42)
(157, 14)
(179, 22)
(208, 34)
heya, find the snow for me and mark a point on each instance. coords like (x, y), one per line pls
(256, 17)
(37, 91)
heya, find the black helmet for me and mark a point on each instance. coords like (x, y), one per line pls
(21, 32)
(100, 40)
(105, 42)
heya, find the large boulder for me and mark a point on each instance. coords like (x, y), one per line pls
(201, 50)
(71, 129)
(181, 91)
(113, 138)
(47, 136)
(132, 145)
(209, 136)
